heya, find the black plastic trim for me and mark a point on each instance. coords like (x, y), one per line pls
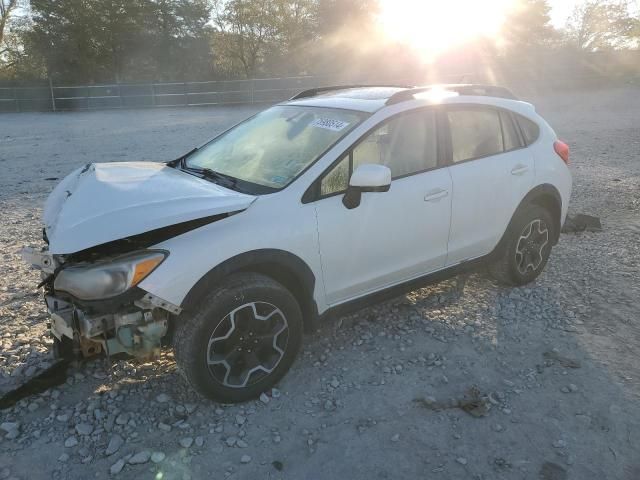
(282, 266)
(410, 285)
(537, 193)
(120, 303)
(312, 92)
(353, 195)
(462, 89)
(142, 240)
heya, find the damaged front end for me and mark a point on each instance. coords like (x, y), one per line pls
(101, 223)
(96, 306)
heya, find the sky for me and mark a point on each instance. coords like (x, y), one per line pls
(560, 10)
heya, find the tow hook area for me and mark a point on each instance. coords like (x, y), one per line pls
(136, 329)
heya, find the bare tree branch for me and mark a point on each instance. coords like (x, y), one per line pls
(6, 7)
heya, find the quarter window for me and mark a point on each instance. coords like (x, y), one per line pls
(509, 132)
(337, 180)
(474, 133)
(530, 130)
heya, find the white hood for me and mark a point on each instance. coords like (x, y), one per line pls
(103, 202)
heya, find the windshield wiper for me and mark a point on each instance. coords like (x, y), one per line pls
(220, 178)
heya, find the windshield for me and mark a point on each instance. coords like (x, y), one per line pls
(273, 147)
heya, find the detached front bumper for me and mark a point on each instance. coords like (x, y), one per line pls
(133, 325)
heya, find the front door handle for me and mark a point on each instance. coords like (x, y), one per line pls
(519, 170)
(435, 195)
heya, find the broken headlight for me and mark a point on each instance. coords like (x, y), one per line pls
(108, 279)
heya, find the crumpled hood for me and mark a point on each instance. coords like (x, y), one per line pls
(103, 202)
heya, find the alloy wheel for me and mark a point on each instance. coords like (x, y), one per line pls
(248, 344)
(530, 247)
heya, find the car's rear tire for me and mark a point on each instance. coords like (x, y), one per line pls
(526, 248)
(241, 340)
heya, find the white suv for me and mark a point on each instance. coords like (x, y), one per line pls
(340, 196)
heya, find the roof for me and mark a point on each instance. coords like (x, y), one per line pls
(366, 99)
(374, 97)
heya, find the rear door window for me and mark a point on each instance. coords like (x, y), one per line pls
(475, 133)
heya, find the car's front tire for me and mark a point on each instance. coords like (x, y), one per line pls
(241, 339)
(526, 249)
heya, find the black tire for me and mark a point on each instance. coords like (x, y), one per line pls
(232, 310)
(508, 267)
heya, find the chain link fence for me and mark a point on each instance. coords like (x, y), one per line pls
(261, 90)
(135, 95)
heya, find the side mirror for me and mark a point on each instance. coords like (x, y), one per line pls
(369, 177)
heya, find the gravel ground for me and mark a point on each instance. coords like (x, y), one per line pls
(447, 382)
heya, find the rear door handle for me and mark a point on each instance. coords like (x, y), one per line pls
(435, 195)
(519, 170)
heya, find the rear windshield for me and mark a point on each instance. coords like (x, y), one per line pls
(275, 146)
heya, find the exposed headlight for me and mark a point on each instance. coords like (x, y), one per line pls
(110, 278)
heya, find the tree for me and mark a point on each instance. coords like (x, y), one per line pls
(106, 40)
(602, 24)
(527, 27)
(16, 62)
(63, 35)
(180, 37)
(6, 8)
(338, 15)
(250, 31)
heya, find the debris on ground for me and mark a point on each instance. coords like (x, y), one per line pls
(581, 223)
(474, 402)
(553, 356)
(552, 471)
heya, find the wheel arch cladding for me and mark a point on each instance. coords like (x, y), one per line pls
(284, 267)
(546, 196)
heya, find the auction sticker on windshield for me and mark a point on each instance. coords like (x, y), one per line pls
(329, 124)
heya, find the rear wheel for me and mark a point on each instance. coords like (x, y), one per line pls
(241, 340)
(527, 248)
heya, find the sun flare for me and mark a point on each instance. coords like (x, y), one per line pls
(432, 26)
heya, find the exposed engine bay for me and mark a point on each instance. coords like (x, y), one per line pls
(133, 323)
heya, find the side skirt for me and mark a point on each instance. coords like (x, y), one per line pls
(396, 290)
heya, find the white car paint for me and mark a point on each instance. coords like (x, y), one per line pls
(371, 175)
(485, 196)
(422, 224)
(389, 238)
(108, 201)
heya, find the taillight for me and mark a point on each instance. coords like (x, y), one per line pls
(562, 149)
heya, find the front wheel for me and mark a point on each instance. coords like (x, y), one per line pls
(241, 340)
(527, 247)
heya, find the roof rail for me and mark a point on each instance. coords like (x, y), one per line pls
(462, 89)
(312, 92)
